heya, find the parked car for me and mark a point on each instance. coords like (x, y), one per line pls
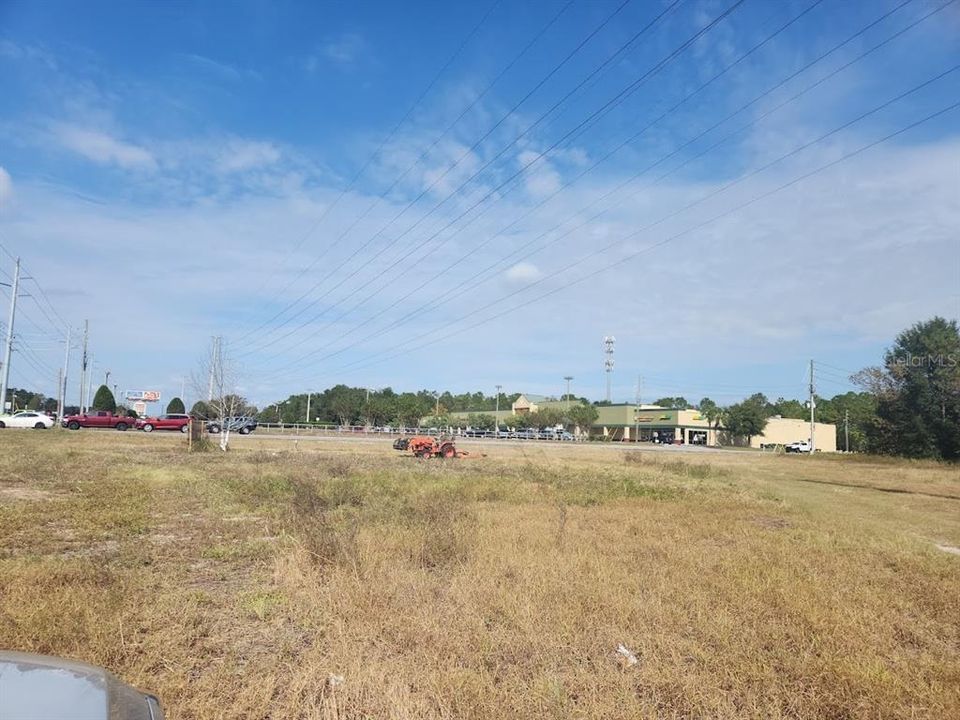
(40, 686)
(241, 424)
(170, 421)
(802, 446)
(97, 419)
(39, 421)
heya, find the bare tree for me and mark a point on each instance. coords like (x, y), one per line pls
(216, 377)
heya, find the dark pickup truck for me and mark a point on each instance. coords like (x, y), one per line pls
(97, 419)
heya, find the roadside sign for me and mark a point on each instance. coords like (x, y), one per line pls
(143, 395)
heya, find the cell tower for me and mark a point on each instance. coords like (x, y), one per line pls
(608, 342)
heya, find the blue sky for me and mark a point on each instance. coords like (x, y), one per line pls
(172, 172)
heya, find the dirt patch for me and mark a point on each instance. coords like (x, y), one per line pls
(13, 493)
(772, 523)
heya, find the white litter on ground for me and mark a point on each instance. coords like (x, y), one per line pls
(628, 657)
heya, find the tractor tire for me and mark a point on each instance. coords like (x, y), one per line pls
(121, 426)
(73, 425)
(425, 453)
(448, 451)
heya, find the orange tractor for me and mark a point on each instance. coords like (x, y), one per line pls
(425, 446)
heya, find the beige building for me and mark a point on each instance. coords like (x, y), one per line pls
(783, 431)
(661, 425)
(625, 422)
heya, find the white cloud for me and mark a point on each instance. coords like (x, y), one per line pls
(239, 155)
(523, 273)
(345, 49)
(541, 179)
(6, 187)
(103, 148)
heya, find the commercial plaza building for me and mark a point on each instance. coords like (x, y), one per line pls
(651, 423)
(655, 424)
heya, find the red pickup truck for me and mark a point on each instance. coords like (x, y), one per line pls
(97, 419)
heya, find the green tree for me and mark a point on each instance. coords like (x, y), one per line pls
(674, 403)
(545, 418)
(104, 400)
(176, 406)
(518, 422)
(711, 411)
(917, 393)
(791, 409)
(485, 421)
(582, 416)
(746, 419)
(201, 410)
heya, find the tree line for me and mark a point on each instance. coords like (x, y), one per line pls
(908, 406)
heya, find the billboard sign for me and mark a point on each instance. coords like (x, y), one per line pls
(143, 395)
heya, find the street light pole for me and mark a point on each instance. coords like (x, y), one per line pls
(496, 413)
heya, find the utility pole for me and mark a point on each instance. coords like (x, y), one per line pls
(308, 406)
(5, 379)
(846, 430)
(214, 355)
(63, 382)
(496, 413)
(106, 378)
(812, 410)
(86, 403)
(608, 343)
(84, 361)
(568, 378)
(636, 411)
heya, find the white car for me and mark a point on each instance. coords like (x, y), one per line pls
(26, 420)
(798, 447)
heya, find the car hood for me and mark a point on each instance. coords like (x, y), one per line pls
(39, 686)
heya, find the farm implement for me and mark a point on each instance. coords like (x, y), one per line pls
(425, 446)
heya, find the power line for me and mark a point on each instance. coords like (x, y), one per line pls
(513, 255)
(702, 199)
(566, 185)
(847, 156)
(469, 150)
(604, 109)
(390, 136)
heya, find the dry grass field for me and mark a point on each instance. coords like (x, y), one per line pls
(335, 580)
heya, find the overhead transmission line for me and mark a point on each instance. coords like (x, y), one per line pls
(476, 247)
(608, 106)
(759, 118)
(762, 196)
(427, 150)
(466, 153)
(386, 140)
